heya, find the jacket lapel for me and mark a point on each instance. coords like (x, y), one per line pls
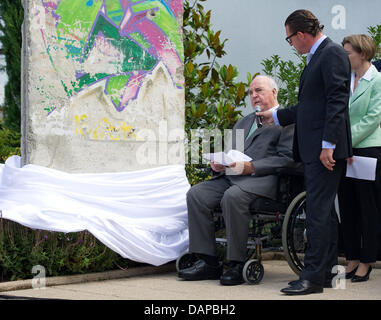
(245, 125)
(362, 87)
(312, 62)
(250, 140)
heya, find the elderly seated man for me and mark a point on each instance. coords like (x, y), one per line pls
(234, 188)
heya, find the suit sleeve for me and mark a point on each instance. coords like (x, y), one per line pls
(283, 157)
(287, 116)
(336, 75)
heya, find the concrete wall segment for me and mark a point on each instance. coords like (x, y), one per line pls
(96, 76)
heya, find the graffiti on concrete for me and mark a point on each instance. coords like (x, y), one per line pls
(115, 42)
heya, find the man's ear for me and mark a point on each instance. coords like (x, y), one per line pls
(301, 35)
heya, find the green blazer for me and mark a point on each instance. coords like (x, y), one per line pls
(365, 112)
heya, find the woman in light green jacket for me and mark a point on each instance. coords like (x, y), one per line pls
(360, 200)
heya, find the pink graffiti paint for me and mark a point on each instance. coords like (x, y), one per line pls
(177, 7)
(131, 90)
(124, 4)
(161, 43)
(125, 19)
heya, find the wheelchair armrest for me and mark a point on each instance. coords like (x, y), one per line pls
(296, 170)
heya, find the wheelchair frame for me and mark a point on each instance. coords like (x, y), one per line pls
(286, 215)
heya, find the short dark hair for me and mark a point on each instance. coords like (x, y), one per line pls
(304, 21)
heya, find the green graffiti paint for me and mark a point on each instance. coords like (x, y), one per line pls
(165, 21)
(140, 39)
(114, 11)
(134, 57)
(86, 80)
(116, 86)
(76, 19)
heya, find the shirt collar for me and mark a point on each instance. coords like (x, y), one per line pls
(367, 76)
(317, 44)
(274, 108)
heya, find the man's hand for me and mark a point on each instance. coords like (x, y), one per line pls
(217, 167)
(326, 158)
(266, 116)
(242, 167)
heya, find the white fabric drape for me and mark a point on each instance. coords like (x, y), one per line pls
(141, 215)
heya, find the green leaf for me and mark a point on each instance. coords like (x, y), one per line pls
(241, 91)
(189, 67)
(229, 73)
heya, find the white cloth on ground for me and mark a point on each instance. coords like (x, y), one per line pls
(142, 215)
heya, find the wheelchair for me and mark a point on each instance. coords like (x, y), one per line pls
(276, 225)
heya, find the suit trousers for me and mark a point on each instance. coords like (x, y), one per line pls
(321, 220)
(202, 200)
(360, 211)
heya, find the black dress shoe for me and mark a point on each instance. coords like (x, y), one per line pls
(327, 283)
(362, 278)
(293, 282)
(201, 271)
(349, 275)
(302, 287)
(233, 276)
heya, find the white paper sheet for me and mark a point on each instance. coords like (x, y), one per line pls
(363, 168)
(226, 158)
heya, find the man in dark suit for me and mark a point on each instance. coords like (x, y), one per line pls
(322, 141)
(234, 188)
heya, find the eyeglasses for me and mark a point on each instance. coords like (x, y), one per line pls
(288, 39)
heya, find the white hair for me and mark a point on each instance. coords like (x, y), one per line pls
(272, 83)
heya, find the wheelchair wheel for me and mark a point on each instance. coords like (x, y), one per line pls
(253, 272)
(186, 260)
(294, 239)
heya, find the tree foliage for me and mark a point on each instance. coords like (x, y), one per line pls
(375, 33)
(11, 18)
(213, 96)
(287, 75)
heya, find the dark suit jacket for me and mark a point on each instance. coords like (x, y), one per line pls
(322, 109)
(270, 147)
(377, 64)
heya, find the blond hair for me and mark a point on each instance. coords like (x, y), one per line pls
(362, 43)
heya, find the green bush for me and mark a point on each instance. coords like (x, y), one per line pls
(59, 253)
(9, 143)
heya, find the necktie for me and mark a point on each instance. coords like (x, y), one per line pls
(252, 129)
